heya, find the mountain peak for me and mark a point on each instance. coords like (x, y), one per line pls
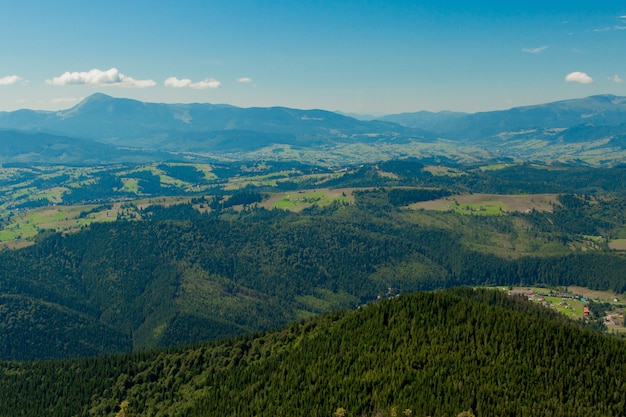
(98, 96)
(99, 103)
(94, 99)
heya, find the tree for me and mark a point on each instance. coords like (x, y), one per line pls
(340, 412)
(125, 410)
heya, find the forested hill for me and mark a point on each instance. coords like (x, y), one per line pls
(163, 282)
(426, 354)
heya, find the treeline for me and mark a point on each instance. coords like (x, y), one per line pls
(435, 354)
(381, 198)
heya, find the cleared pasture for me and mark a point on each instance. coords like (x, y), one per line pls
(24, 225)
(490, 204)
(298, 200)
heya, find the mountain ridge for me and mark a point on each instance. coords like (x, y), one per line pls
(117, 115)
(221, 131)
(603, 109)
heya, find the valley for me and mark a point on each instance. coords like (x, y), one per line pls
(318, 208)
(233, 279)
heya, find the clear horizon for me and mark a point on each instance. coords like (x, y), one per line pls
(359, 57)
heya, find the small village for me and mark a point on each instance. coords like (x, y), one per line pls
(581, 304)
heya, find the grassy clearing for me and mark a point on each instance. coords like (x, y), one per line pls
(494, 167)
(490, 204)
(24, 225)
(443, 171)
(298, 200)
(207, 171)
(268, 180)
(131, 185)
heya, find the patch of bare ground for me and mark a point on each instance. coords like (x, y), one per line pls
(618, 244)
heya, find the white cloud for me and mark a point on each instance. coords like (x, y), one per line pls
(616, 79)
(187, 83)
(98, 77)
(176, 83)
(207, 83)
(244, 80)
(9, 80)
(578, 77)
(536, 50)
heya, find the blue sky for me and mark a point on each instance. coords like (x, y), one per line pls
(375, 57)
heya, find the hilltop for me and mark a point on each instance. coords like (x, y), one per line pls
(435, 354)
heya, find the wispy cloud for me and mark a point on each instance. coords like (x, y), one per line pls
(611, 28)
(9, 80)
(187, 83)
(537, 50)
(616, 79)
(99, 77)
(244, 80)
(578, 77)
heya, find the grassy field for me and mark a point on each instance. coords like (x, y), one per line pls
(298, 200)
(490, 204)
(24, 225)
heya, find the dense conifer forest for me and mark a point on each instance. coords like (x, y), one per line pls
(427, 354)
(181, 276)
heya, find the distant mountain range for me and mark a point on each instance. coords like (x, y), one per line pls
(106, 129)
(202, 128)
(601, 110)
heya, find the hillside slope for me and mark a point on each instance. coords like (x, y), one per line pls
(435, 354)
(173, 280)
